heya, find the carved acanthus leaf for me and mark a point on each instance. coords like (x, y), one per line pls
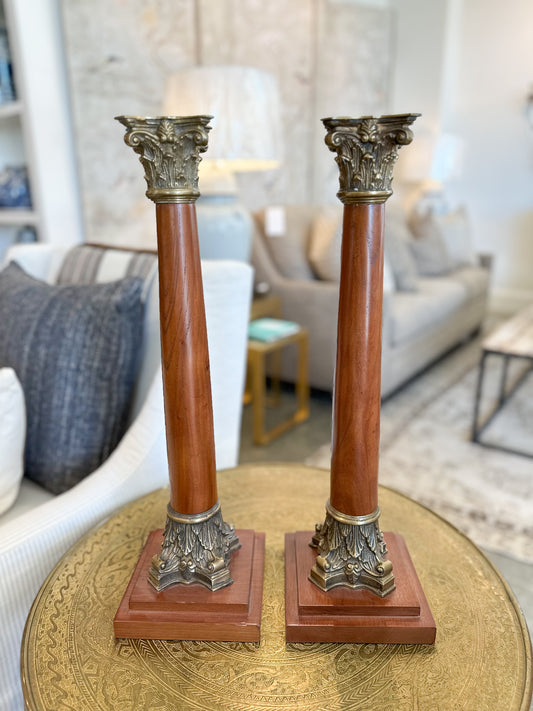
(367, 149)
(169, 149)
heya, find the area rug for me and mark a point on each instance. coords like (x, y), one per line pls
(426, 452)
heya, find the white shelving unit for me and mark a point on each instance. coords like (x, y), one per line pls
(36, 128)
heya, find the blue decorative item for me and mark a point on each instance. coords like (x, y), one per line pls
(14, 187)
(7, 89)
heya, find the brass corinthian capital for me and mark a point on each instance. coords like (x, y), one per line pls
(367, 149)
(169, 149)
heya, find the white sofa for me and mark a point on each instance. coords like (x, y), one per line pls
(40, 527)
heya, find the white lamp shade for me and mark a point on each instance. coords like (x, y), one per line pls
(245, 106)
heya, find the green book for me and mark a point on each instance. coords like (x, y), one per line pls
(270, 329)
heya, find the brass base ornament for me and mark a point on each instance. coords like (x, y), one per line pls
(351, 553)
(196, 549)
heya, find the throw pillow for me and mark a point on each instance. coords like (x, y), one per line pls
(431, 255)
(388, 277)
(12, 437)
(289, 250)
(75, 351)
(397, 253)
(325, 244)
(452, 229)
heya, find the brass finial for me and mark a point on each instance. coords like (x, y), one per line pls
(367, 149)
(169, 149)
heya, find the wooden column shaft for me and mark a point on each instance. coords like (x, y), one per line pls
(185, 361)
(357, 390)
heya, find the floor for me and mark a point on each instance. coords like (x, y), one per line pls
(302, 441)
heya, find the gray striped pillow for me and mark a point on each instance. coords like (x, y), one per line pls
(86, 264)
(75, 351)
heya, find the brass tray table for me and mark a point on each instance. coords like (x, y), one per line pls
(70, 660)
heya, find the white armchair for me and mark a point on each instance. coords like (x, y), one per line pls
(34, 537)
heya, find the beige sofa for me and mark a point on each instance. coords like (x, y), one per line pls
(419, 324)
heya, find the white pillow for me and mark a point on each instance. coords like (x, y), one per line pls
(388, 277)
(12, 437)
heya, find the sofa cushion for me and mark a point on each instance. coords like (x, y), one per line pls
(75, 351)
(325, 244)
(397, 254)
(289, 251)
(91, 264)
(428, 308)
(12, 437)
(475, 280)
(451, 230)
(431, 255)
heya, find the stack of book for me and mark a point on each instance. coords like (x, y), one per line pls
(271, 329)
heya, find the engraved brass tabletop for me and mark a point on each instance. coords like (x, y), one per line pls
(70, 660)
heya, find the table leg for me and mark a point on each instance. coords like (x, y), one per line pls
(302, 382)
(257, 362)
(503, 380)
(479, 390)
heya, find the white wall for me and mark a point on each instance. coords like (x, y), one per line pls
(496, 61)
(329, 56)
(467, 66)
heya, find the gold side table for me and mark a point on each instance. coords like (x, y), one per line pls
(257, 354)
(70, 660)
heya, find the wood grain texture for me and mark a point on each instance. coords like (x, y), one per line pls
(191, 612)
(342, 615)
(357, 400)
(185, 362)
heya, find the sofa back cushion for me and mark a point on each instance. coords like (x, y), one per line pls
(448, 233)
(75, 350)
(325, 243)
(288, 242)
(397, 252)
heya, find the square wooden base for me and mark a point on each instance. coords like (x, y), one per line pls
(192, 611)
(344, 615)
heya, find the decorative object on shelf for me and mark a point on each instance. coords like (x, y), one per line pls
(14, 187)
(197, 544)
(26, 235)
(247, 137)
(351, 550)
(7, 87)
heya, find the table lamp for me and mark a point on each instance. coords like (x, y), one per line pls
(246, 137)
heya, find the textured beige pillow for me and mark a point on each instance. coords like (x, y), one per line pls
(431, 255)
(325, 244)
(397, 253)
(289, 250)
(12, 437)
(451, 230)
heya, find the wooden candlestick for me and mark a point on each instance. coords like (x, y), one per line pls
(197, 542)
(196, 546)
(351, 549)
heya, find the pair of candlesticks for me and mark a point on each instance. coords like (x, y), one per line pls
(200, 579)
